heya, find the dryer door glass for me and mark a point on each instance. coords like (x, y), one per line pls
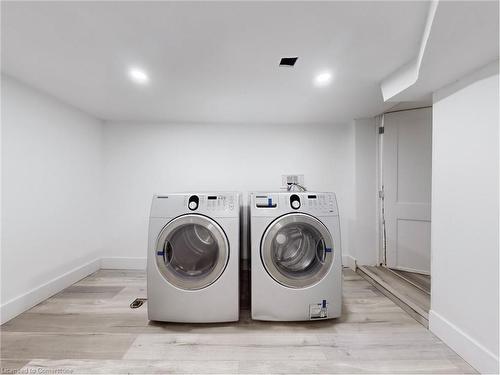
(192, 252)
(297, 250)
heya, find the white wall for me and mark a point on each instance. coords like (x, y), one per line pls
(51, 189)
(465, 198)
(364, 246)
(144, 159)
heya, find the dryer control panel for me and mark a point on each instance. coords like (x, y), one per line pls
(211, 204)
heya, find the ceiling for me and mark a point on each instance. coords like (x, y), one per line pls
(464, 37)
(214, 61)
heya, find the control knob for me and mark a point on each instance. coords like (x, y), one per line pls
(295, 201)
(193, 202)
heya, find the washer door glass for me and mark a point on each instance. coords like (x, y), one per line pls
(297, 250)
(192, 252)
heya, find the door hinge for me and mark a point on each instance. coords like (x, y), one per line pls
(381, 130)
(381, 194)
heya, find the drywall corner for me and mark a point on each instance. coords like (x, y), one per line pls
(364, 237)
(349, 261)
(20, 304)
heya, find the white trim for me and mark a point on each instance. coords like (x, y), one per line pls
(408, 269)
(465, 346)
(26, 301)
(406, 75)
(380, 184)
(486, 71)
(349, 261)
(20, 304)
(123, 263)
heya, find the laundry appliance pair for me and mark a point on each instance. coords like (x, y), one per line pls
(193, 257)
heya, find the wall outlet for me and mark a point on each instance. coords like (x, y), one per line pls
(287, 179)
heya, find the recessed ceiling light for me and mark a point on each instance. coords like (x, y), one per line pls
(323, 79)
(138, 76)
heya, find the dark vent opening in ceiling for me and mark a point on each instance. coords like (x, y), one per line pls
(288, 61)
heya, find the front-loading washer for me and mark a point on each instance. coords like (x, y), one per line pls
(193, 258)
(296, 257)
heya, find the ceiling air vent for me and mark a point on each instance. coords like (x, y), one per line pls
(288, 61)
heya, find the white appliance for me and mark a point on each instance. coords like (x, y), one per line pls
(296, 256)
(193, 258)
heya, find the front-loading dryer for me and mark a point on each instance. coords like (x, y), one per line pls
(296, 258)
(193, 258)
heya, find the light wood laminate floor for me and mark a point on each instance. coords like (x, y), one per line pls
(89, 328)
(421, 281)
(406, 293)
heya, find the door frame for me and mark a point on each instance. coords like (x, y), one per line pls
(379, 123)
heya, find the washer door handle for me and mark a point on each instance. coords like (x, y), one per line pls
(321, 248)
(167, 252)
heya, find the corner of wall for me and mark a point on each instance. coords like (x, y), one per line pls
(28, 110)
(18, 305)
(349, 261)
(364, 244)
(470, 100)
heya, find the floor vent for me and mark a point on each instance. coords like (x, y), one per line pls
(138, 302)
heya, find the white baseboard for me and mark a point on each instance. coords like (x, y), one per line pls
(16, 306)
(26, 301)
(349, 261)
(121, 263)
(465, 346)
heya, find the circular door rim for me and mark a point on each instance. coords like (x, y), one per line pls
(265, 253)
(222, 259)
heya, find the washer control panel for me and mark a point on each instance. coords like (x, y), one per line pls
(319, 203)
(266, 200)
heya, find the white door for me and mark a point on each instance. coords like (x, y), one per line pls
(407, 160)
